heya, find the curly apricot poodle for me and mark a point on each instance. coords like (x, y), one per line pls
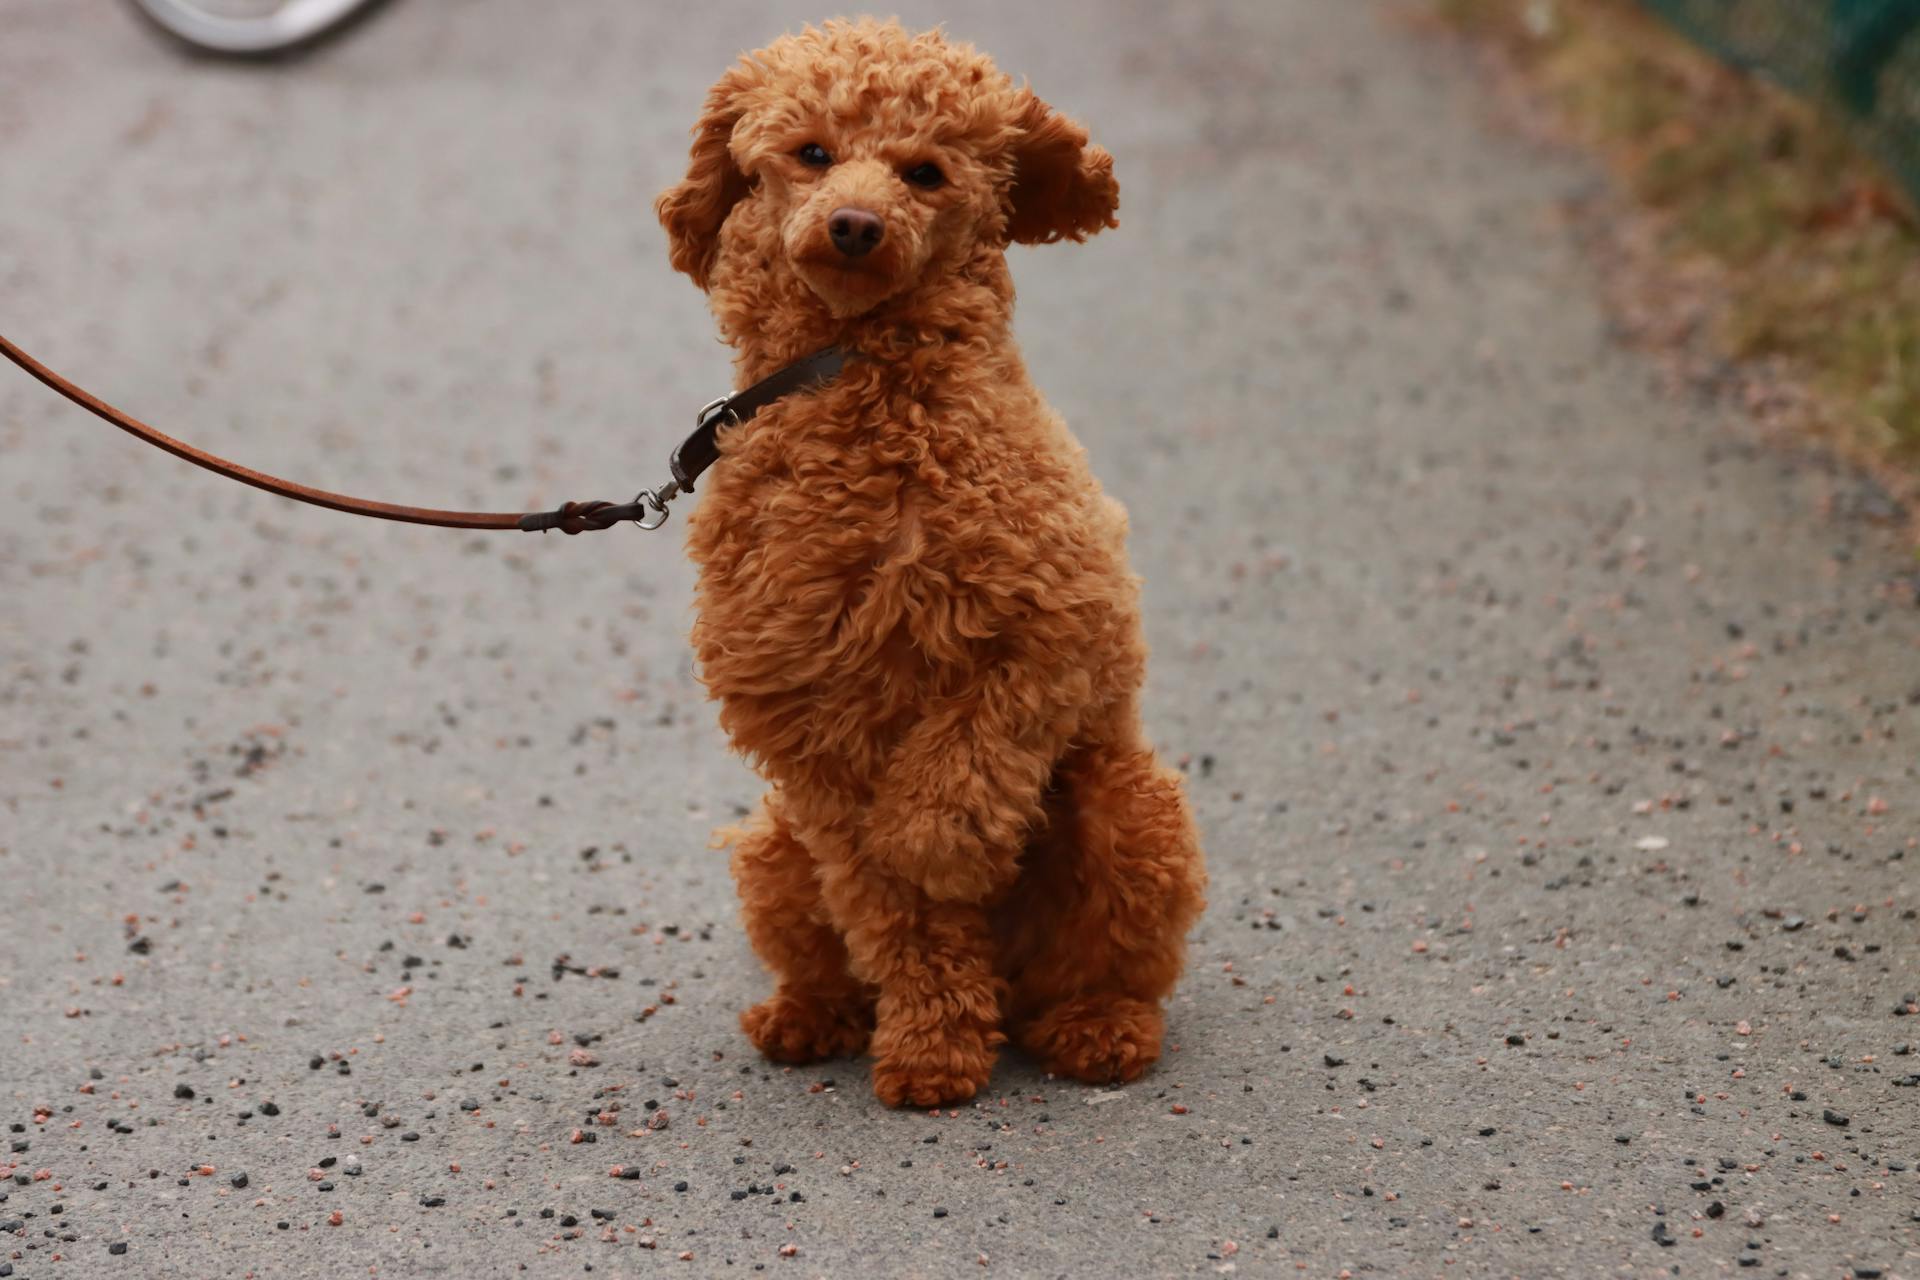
(915, 608)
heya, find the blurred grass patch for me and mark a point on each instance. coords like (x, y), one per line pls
(1817, 247)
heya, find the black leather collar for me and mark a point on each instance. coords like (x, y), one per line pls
(701, 449)
(694, 455)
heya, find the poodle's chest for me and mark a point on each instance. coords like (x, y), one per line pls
(818, 577)
(815, 639)
(809, 588)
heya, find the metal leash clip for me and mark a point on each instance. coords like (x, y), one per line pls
(658, 500)
(705, 423)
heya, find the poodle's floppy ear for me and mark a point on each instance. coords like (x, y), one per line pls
(1063, 189)
(693, 211)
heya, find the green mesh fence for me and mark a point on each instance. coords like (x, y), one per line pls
(1861, 56)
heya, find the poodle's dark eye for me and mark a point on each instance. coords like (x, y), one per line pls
(926, 175)
(814, 154)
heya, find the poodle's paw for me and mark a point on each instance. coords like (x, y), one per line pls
(800, 1029)
(900, 1082)
(932, 1065)
(1098, 1039)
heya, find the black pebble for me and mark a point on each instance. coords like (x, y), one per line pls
(432, 1202)
(939, 1213)
(238, 1179)
(119, 1247)
(1836, 1119)
(183, 1091)
(679, 1186)
(269, 1108)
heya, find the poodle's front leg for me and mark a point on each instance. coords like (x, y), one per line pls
(937, 1021)
(966, 783)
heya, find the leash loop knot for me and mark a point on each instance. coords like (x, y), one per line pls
(578, 517)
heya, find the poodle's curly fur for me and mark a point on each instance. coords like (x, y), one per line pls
(914, 603)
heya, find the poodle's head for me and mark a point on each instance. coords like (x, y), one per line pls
(866, 163)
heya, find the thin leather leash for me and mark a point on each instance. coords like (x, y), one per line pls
(648, 509)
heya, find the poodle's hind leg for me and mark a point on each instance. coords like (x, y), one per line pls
(819, 1010)
(1115, 886)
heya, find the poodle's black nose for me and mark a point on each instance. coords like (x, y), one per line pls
(855, 231)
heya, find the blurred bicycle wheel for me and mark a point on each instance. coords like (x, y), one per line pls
(251, 28)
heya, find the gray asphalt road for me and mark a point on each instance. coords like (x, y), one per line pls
(1554, 743)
